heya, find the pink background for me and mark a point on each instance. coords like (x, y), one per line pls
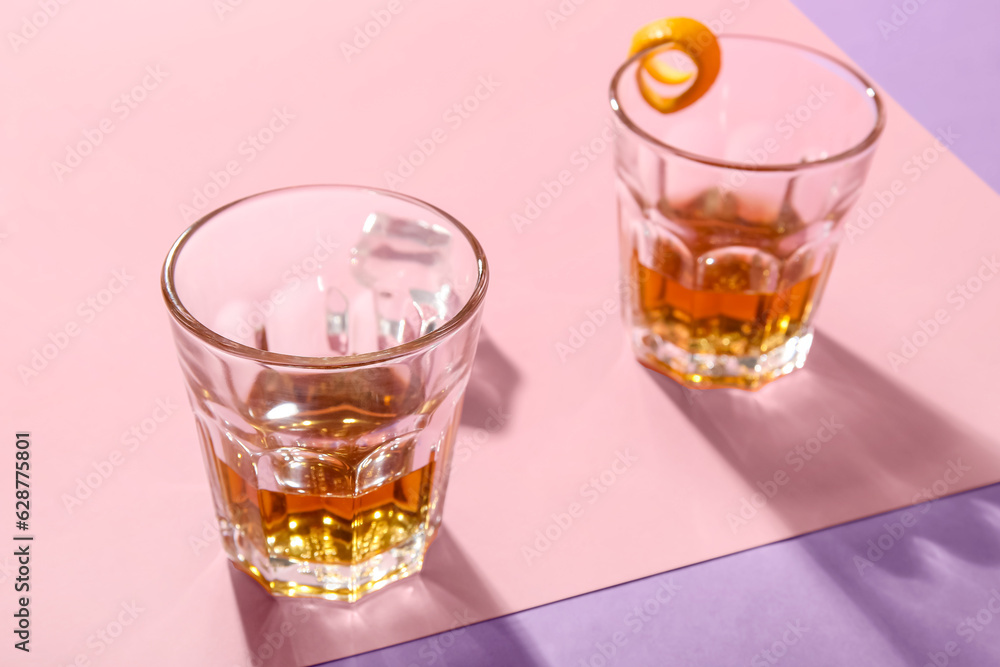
(137, 536)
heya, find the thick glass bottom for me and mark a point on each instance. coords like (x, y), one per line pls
(708, 371)
(345, 582)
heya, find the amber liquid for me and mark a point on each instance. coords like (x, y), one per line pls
(719, 304)
(721, 320)
(341, 464)
(330, 530)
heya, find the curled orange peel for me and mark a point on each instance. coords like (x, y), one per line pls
(675, 34)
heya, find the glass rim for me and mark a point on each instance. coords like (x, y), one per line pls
(181, 314)
(858, 148)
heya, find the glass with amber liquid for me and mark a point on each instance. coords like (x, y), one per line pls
(326, 334)
(730, 208)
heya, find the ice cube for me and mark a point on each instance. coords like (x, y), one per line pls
(405, 264)
(432, 308)
(337, 320)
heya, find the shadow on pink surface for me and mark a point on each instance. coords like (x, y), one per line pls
(492, 385)
(836, 433)
(840, 430)
(285, 631)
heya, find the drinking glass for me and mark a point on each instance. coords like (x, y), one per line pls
(326, 334)
(729, 209)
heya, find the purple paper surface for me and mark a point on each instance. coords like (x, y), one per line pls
(940, 59)
(915, 587)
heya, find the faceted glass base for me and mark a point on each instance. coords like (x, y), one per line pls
(708, 371)
(330, 581)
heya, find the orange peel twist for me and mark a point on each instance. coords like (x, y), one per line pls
(676, 34)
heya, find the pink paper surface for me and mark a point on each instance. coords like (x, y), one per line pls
(139, 550)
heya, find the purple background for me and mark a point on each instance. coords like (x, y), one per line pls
(942, 65)
(909, 607)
